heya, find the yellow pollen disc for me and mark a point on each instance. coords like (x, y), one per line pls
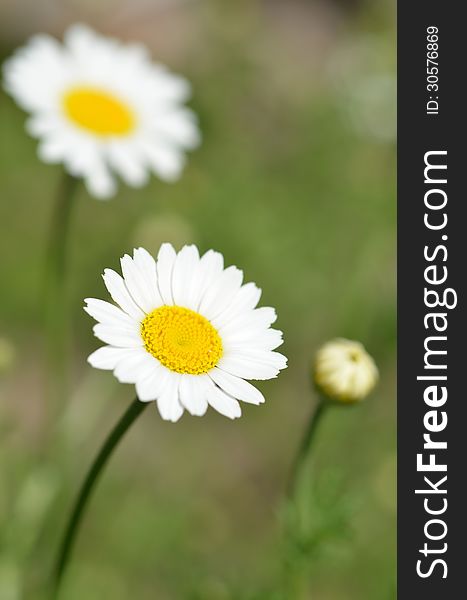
(181, 339)
(98, 111)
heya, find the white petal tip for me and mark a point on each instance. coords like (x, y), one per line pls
(171, 419)
(95, 363)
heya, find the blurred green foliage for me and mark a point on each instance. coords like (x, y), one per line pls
(302, 198)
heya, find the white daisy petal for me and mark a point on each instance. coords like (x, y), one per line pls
(42, 124)
(274, 359)
(244, 300)
(125, 161)
(165, 263)
(170, 88)
(152, 386)
(104, 312)
(255, 339)
(210, 268)
(183, 273)
(139, 286)
(165, 160)
(186, 332)
(52, 150)
(113, 336)
(107, 357)
(180, 127)
(220, 293)
(168, 402)
(97, 92)
(224, 404)
(79, 38)
(247, 369)
(24, 71)
(257, 319)
(98, 179)
(120, 294)
(135, 368)
(147, 267)
(193, 393)
(236, 387)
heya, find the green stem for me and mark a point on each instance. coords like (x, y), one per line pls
(133, 411)
(305, 446)
(57, 248)
(55, 281)
(294, 583)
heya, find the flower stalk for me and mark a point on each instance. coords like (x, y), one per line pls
(74, 522)
(305, 447)
(56, 306)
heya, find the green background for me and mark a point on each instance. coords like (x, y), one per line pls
(295, 184)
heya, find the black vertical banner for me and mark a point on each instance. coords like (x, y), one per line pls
(432, 271)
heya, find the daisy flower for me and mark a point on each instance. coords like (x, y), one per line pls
(344, 371)
(102, 108)
(186, 332)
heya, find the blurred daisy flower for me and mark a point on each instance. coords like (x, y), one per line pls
(186, 332)
(344, 371)
(101, 108)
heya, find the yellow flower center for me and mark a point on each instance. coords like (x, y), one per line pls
(181, 339)
(98, 111)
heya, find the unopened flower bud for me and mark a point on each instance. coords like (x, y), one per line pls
(344, 371)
